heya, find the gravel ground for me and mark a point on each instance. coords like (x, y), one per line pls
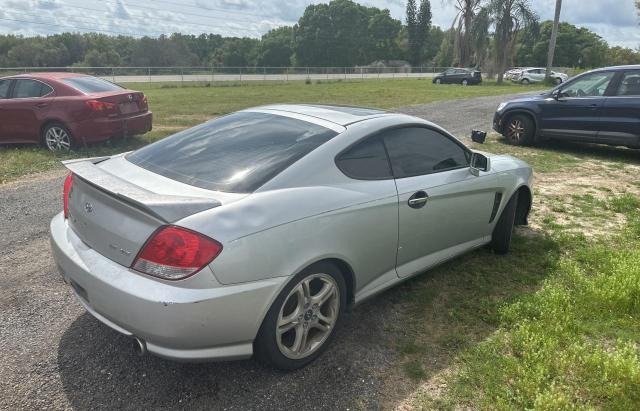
(56, 356)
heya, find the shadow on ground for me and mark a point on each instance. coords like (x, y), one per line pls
(428, 320)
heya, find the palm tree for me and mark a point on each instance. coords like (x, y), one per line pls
(467, 11)
(554, 36)
(509, 17)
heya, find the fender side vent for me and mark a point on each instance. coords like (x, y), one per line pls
(496, 205)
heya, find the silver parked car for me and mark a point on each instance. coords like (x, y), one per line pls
(252, 233)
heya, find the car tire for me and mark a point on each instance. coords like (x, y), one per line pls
(465, 82)
(310, 321)
(558, 80)
(519, 130)
(57, 138)
(502, 232)
(438, 81)
(524, 81)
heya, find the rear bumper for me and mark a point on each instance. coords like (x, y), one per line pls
(99, 129)
(175, 321)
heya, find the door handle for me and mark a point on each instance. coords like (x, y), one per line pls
(418, 199)
(41, 105)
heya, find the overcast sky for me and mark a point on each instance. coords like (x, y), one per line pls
(615, 20)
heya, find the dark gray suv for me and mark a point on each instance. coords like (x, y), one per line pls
(600, 106)
(458, 76)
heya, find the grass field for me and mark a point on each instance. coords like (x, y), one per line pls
(176, 107)
(553, 325)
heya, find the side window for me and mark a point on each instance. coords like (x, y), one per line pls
(415, 151)
(589, 85)
(365, 161)
(4, 88)
(450, 71)
(630, 85)
(30, 88)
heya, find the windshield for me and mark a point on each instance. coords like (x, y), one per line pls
(236, 153)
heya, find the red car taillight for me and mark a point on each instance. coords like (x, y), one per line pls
(68, 182)
(144, 104)
(174, 253)
(101, 107)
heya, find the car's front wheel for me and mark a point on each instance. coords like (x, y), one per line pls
(519, 130)
(301, 322)
(501, 236)
(465, 82)
(525, 81)
(57, 138)
(558, 80)
(438, 81)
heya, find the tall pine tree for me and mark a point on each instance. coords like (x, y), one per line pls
(418, 25)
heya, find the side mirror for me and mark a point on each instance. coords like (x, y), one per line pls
(479, 162)
(478, 136)
(556, 94)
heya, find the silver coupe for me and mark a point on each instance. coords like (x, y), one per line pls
(252, 233)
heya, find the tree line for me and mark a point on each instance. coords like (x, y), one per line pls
(489, 34)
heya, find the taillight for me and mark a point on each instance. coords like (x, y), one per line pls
(101, 106)
(68, 182)
(144, 103)
(174, 253)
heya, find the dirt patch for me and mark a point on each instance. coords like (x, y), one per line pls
(579, 199)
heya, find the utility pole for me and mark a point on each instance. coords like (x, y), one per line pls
(552, 41)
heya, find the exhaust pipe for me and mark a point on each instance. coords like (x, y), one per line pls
(140, 346)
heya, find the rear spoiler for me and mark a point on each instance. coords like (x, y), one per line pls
(168, 208)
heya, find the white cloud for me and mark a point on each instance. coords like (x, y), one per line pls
(615, 20)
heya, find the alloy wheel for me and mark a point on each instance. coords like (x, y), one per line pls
(57, 139)
(515, 130)
(307, 316)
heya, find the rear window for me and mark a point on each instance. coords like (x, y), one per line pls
(89, 85)
(236, 153)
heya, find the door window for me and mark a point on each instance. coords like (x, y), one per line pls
(630, 85)
(365, 161)
(4, 88)
(416, 151)
(30, 89)
(589, 85)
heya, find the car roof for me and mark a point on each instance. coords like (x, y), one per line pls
(342, 115)
(616, 68)
(48, 75)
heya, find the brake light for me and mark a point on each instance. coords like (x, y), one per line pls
(144, 103)
(174, 253)
(68, 182)
(101, 106)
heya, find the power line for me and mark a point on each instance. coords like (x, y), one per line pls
(78, 27)
(174, 23)
(232, 30)
(200, 15)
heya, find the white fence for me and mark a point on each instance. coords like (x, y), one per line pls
(213, 74)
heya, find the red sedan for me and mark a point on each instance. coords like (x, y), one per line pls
(63, 110)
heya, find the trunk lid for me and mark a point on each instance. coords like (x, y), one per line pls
(128, 102)
(116, 217)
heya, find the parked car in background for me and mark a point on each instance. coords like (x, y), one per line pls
(512, 72)
(252, 233)
(536, 75)
(600, 106)
(458, 76)
(62, 110)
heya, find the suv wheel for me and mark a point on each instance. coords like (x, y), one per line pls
(525, 81)
(519, 130)
(558, 80)
(438, 81)
(465, 82)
